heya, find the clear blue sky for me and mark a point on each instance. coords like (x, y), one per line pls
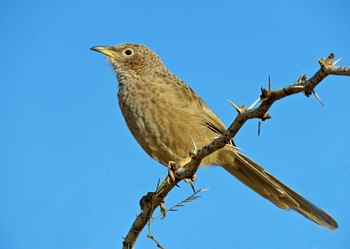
(71, 173)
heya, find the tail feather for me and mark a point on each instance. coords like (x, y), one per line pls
(269, 187)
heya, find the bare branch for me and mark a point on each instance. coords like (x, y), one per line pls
(188, 167)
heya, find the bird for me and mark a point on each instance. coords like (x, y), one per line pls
(167, 118)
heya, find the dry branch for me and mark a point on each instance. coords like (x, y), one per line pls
(187, 168)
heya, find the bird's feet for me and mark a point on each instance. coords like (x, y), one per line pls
(173, 166)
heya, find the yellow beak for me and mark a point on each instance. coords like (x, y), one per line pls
(104, 50)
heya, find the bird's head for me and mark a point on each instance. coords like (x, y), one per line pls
(130, 58)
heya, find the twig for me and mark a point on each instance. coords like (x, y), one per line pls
(152, 238)
(268, 97)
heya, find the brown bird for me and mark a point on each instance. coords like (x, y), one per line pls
(167, 118)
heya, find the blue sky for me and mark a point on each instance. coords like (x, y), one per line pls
(71, 173)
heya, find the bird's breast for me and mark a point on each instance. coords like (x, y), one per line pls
(166, 125)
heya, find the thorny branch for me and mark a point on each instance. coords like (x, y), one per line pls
(186, 170)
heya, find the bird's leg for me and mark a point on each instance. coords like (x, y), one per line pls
(162, 209)
(173, 166)
(183, 163)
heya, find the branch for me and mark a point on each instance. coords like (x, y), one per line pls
(188, 167)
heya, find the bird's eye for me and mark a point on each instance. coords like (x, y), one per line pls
(128, 52)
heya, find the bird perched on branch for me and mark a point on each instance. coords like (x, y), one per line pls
(167, 117)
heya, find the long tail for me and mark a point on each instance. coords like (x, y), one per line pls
(269, 187)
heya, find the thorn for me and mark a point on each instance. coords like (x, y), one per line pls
(269, 84)
(263, 118)
(334, 63)
(194, 144)
(317, 97)
(321, 62)
(265, 93)
(302, 78)
(239, 109)
(254, 104)
(237, 148)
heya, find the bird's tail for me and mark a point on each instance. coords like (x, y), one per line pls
(255, 177)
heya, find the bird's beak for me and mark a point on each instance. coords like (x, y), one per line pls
(104, 50)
